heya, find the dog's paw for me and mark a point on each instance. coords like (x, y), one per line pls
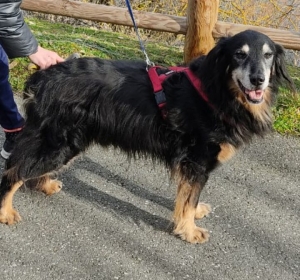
(51, 187)
(9, 216)
(202, 210)
(195, 235)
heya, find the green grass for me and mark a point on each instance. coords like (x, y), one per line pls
(67, 39)
(287, 110)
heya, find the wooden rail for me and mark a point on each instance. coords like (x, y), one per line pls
(108, 14)
(152, 21)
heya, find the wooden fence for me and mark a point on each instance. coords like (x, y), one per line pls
(200, 25)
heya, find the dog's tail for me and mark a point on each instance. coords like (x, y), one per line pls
(30, 90)
(34, 81)
(31, 85)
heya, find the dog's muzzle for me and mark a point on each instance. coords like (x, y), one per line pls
(253, 96)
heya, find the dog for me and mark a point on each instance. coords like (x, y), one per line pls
(86, 101)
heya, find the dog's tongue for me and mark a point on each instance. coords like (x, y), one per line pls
(255, 94)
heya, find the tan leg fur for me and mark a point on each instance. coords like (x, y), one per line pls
(49, 186)
(185, 213)
(8, 215)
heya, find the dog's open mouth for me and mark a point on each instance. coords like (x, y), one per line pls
(253, 96)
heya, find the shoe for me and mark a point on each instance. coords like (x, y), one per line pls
(9, 143)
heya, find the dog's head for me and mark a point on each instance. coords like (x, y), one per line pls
(250, 64)
(254, 59)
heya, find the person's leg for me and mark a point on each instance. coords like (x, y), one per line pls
(10, 118)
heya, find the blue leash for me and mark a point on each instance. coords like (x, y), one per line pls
(142, 46)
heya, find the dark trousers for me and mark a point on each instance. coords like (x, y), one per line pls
(10, 118)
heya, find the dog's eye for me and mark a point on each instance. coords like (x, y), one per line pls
(268, 55)
(240, 55)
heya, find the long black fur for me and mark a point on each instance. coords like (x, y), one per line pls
(89, 100)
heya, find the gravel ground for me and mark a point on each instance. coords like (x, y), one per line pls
(112, 221)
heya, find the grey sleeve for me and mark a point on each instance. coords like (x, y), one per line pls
(15, 36)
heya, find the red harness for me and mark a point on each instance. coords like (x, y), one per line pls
(157, 80)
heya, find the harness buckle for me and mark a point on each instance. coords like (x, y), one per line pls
(160, 98)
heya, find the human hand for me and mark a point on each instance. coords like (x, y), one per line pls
(45, 58)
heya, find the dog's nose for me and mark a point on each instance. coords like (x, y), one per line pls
(257, 79)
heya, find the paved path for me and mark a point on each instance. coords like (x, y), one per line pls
(111, 221)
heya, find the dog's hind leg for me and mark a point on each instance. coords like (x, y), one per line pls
(9, 185)
(8, 215)
(44, 184)
(187, 209)
(49, 186)
(35, 164)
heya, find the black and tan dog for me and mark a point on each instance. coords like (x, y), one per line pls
(86, 101)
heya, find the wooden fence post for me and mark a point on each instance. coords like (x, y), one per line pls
(201, 19)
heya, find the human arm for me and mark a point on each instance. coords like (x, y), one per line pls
(17, 39)
(15, 36)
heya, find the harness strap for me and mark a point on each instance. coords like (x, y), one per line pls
(157, 80)
(196, 83)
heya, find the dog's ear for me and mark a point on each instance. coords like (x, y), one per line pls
(280, 73)
(214, 61)
(217, 54)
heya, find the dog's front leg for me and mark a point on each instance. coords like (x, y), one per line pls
(187, 209)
